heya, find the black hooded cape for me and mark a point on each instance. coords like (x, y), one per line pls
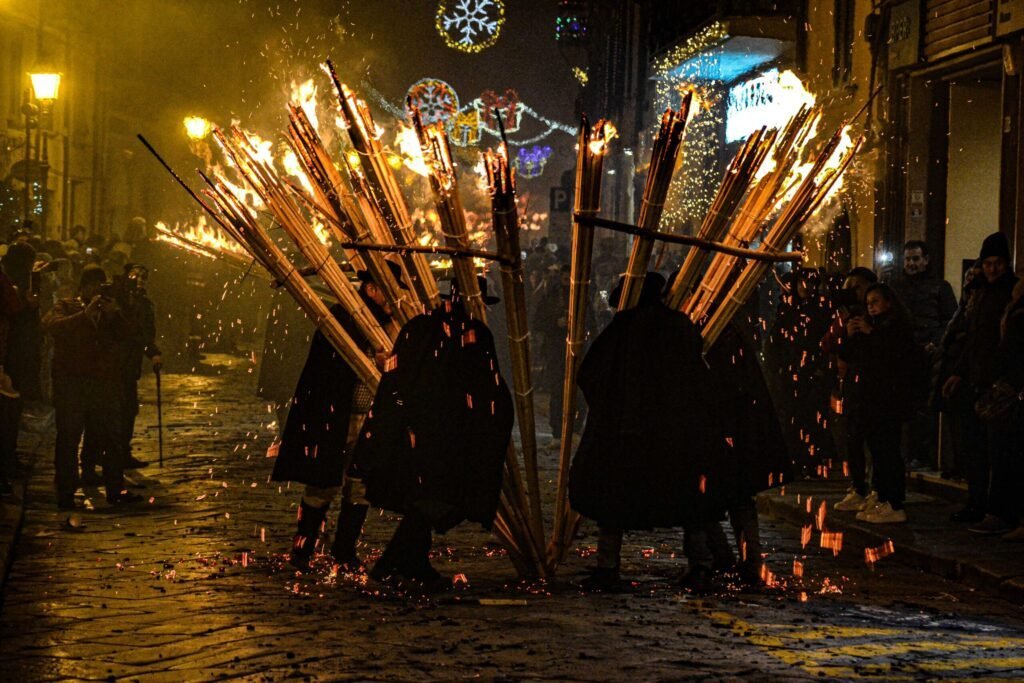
(436, 438)
(750, 418)
(312, 449)
(653, 453)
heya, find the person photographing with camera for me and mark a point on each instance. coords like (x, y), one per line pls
(129, 292)
(88, 331)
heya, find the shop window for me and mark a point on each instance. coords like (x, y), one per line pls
(842, 54)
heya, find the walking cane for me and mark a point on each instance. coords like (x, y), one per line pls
(159, 417)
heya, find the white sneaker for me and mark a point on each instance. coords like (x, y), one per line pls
(870, 506)
(884, 514)
(851, 503)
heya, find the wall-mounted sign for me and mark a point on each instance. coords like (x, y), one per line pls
(770, 100)
(1009, 16)
(904, 34)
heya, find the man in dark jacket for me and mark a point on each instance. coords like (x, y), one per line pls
(973, 369)
(87, 393)
(931, 304)
(653, 452)
(327, 412)
(928, 299)
(434, 446)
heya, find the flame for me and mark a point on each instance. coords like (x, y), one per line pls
(292, 167)
(409, 150)
(199, 238)
(304, 96)
(197, 127)
(601, 137)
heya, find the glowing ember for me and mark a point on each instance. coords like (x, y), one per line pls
(832, 540)
(872, 555)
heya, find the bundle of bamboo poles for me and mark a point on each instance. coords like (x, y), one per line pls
(759, 204)
(736, 181)
(505, 218)
(380, 180)
(664, 155)
(804, 196)
(343, 213)
(279, 201)
(241, 223)
(444, 185)
(592, 148)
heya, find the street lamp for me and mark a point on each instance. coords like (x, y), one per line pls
(45, 86)
(197, 127)
(45, 90)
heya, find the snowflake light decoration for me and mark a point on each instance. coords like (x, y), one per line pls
(470, 25)
(435, 99)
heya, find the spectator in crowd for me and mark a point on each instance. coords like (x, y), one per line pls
(931, 304)
(881, 355)
(973, 368)
(850, 303)
(87, 331)
(552, 323)
(10, 306)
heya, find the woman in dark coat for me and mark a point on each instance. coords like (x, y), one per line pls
(434, 446)
(884, 361)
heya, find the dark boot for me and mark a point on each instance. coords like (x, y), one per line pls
(350, 527)
(406, 559)
(311, 519)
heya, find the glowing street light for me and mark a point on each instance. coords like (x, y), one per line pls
(45, 86)
(197, 127)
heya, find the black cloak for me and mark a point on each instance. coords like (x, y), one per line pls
(437, 436)
(751, 421)
(312, 449)
(653, 453)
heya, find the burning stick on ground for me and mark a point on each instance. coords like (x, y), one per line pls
(593, 146)
(659, 176)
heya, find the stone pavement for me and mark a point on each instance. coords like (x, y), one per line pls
(928, 541)
(192, 586)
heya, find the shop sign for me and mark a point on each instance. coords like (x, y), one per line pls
(1009, 16)
(770, 99)
(904, 34)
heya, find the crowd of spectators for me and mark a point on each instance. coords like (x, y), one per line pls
(75, 322)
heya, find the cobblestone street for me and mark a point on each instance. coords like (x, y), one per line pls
(192, 586)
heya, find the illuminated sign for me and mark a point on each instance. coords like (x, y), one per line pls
(770, 100)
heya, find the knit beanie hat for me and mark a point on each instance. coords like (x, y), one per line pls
(995, 244)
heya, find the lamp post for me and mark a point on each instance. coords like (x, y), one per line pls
(45, 90)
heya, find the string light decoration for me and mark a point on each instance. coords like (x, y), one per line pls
(530, 161)
(470, 25)
(466, 127)
(694, 184)
(435, 99)
(571, 22)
